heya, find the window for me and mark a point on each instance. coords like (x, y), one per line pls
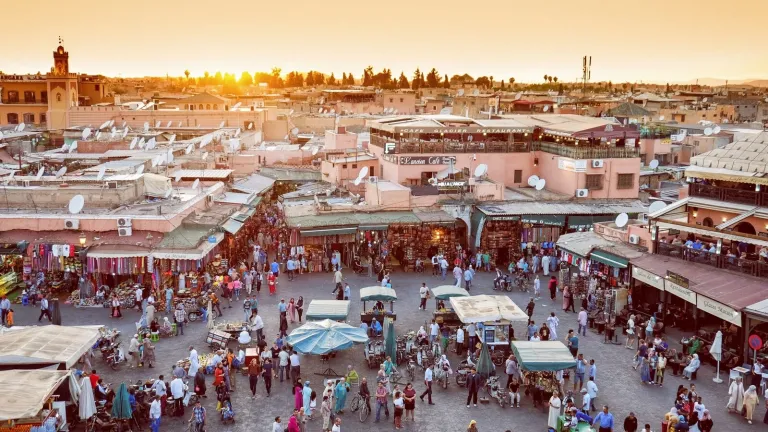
(44, 97)
(97, 87)
(13, 97)
(594, 181)
(344, 166)
(371, 171)
(215, 106)
(518, 176)
(354, 165)
(402, 100)
(29, 118)
(43, 118)
(626, 181)
(29, 97)
(708, 222)
(13, 118)
(391, 100)
(200, 107)
(58, 97)
(207, 106)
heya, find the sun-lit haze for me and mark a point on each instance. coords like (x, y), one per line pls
(651, 41)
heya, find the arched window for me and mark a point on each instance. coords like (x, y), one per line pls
(58, 97)
(215, 106)
(207, 106)
(200, 106)
(708, 222)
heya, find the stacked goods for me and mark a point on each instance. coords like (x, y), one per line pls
(501, 234)
(417, 241)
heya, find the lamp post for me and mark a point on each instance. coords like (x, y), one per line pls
(83, 239)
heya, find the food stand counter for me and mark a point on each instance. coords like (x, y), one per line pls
(498, 316)
(377, 294)
(442, 313)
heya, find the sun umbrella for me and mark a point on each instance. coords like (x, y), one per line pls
(121, 405)
(717, 353)
(485, 366)
(210, 314)
(86, 401)
(56, 314)
(323, 337)
(390, 342)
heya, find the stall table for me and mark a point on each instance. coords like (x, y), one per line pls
(446, 316)
(581, 426)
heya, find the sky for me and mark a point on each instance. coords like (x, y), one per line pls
(650, 41)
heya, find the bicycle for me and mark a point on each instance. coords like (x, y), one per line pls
(359, 404)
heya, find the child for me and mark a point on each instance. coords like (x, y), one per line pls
(9, 318)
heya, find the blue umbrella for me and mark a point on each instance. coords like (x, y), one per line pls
(121, 405)
(323, 337)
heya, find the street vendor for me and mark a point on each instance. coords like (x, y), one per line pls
(245, 337)
(376, 327)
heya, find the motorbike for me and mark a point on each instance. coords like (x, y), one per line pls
(503, 283)
(112, 355)
(357, 267)
(465, 367)
(496, 390)
(442, 372)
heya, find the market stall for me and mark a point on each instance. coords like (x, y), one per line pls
(11, 266)
(28, 401)
(498, 316)
(336, 310)
(443, 313)
(324, 338)
(377, 294)
(50, 346)
(115, 264)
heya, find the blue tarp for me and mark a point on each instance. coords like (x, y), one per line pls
(323, 337)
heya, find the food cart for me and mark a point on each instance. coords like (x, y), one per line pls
(539, 363)
(377, 294)
(498, 316)
(337, 310)
(443, 313)
(218, 339)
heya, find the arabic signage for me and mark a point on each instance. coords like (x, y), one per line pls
(572, 165)
(427, 160)
(464, 130)
(648, 278)
(719, 310)
(680, 291)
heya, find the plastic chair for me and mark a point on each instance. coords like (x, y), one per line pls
(154, 337)
(174, 330)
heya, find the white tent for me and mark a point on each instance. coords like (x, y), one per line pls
(51, 345)
(26, 391)
(156, 185)
(487, 308)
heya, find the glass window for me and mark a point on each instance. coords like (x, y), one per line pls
(13, 118)
(626, 181)
(13, 97)
(29, 118)
(44, 96)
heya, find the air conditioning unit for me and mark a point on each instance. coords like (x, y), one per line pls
(72, 224)
(124, 222)
(634, 239)
(373, 179)
(582, 193)
(111, 185)
(597, 163)
(125, 232)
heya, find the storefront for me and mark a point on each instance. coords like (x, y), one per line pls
(179, 267)
(113, 265)
(647, 290)
(320, 243)
(541, 228)
(498, 234)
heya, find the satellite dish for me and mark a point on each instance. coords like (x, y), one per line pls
(654, 164)
(111, 123)
(172, 139)
(125, 132)
(286, 138)
(140, 142)
(460, 92)
(140, 169)
(86, 132)
(315, 150)
(100, 175)
(113, 130)
(179, 124)
(432, 181)
(357, 181)
(532, 180)
(105, 124)
(146, 126)
(61, 172)
(250, 125)
(151, 143)
(363, 172)
(168, 193)
(73, 146)
(196, 183)
(704, 100)
(481, 170)
(98, 135)
(169, 124)
(546, 108)
(622, 220)
(157, 124)
(708, 131)
(656, 206)
(237, 132)
(221, 125)
(237, 105)
(661, 118)
(170, 156)
(204, 142)
(76, 204)
(716, 130)
(290, 112)
(40, 173)
(294, 131)
(22, 126)
(205, 155)
(155, 161)
(178, 177)
(189, 149)
(124, 125)
(540, 184)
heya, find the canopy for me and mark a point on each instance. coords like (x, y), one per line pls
(26, 391)
(323, 337)
(377, 293)
(390, 342)
(45, 346)
(543, 356)
(328, 309)
(444, 292)
(487, 308)
(485, 366)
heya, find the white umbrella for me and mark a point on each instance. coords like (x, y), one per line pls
(717, 353)
(210, 314)
(87, 402)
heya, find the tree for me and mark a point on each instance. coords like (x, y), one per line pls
(246, 79)
(491, 81)
(206, 78)
(546, 78)
(446, 83)
(331, 81)
(483, 81)
(275, 81)
(433, 78)
(368, 76)
(416, 83)
(667, 89)
(402, 82)
(462, 79)
(319, 78)
(310, 79)
(294, 79)
(217, 79)
(344, 78)
(186, 74)
(554, 79)
(511, 82)
(350, 79)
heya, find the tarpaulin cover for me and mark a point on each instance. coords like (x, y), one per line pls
(25, 391)
(444, 292)
(487, 308)
(328, 309)
(377, 293)
(323, 337)
(156, 185)
(46, 345)
(543, 356)
(390, 341)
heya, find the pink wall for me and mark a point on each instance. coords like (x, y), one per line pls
(98, 114)
(760, 224)
(566, 182)
(339, 141)
(404, 103)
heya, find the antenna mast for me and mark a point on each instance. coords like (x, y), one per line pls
(586, 72)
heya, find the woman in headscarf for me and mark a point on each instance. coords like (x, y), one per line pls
(300, 307)
(329, 388)
(148, 356)
(341, 395)
(645, 371)
(670, 419)
(293, 424)
(566, 298)
(750, 402)
(298, 395)
(306, 395)
(472, 426)
(301, 418)
(682, 424)
(292, 309)
(692, 367)
(218, 375)
(554, 410)
(200, 383)
(706, 423)
(736, 396)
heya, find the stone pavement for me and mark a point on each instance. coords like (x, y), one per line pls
(619, 385)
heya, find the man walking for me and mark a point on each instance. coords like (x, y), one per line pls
(468, 275)
(381, 401)
(592, 391)
(177, 392)
(457, 275)
(604, 420)
(5, 306)
(180, 315)
(511, 368)
(168, 299)
(460, 341)
(443, 266)
(155, 412)
(552, 322)
(44, 311)
(473, 382)
(582, 322)
(428, 382)
(290, 267)
(295, 366)
(553, 287)
(435, 265)
(423, 294)
(198, 417)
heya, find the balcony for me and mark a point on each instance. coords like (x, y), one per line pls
(602, 152)
(753, 267)
(739, 196)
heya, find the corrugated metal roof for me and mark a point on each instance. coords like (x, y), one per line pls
(234, 198)
(563, 208)
(203, 174)
(353, 219)
(255, 183)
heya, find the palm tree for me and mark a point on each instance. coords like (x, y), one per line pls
(186, 74)
(554, 79)
(511, 82)
(491, 82)
(546, 78)
(550, 79)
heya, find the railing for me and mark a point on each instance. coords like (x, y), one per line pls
(704, 256)
(408, 145)
(740, 196)
(602, 152)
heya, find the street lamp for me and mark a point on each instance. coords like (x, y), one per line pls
(83, 239)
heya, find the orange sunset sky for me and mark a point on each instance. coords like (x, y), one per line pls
(650, 40)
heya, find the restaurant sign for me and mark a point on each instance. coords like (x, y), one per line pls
(678, 279)
(451, 184)
(464, 130)
(572, 165)
(427, 160)
(389, 158)
(648, 278)
(719, 310)
(680, 291)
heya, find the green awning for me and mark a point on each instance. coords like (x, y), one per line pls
(585, 222)
(232, 226)
(255, 201)
(551, 220)
(608, 259)
(543, 355)
(377, 293)
(328, 231)
(373, 227)
(444, 292)
(328, 309)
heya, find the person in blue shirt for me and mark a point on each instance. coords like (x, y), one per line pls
(376, 326)
(604, 421)
(275, 268)
(347, 292)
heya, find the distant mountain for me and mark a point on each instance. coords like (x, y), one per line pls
(757, 83)
(716, 82)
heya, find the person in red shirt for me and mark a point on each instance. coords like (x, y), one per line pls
(272, 281)
(94, 379)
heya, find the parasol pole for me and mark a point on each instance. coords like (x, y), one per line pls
(717, 378)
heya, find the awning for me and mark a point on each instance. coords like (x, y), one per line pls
(608, 259)
(720, 234)
(232, 226)
(647, 277)
(25, 392)
(487, 308)
(115, 252)
(543, 356)
(193, 254)
(328, 231)
(377, 293)
(551, 220)
(444, 292)
(372, 227)
(328, 309)
(60, 346)
(585, 222)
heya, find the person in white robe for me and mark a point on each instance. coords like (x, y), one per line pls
(554, 410)
(736, 395)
